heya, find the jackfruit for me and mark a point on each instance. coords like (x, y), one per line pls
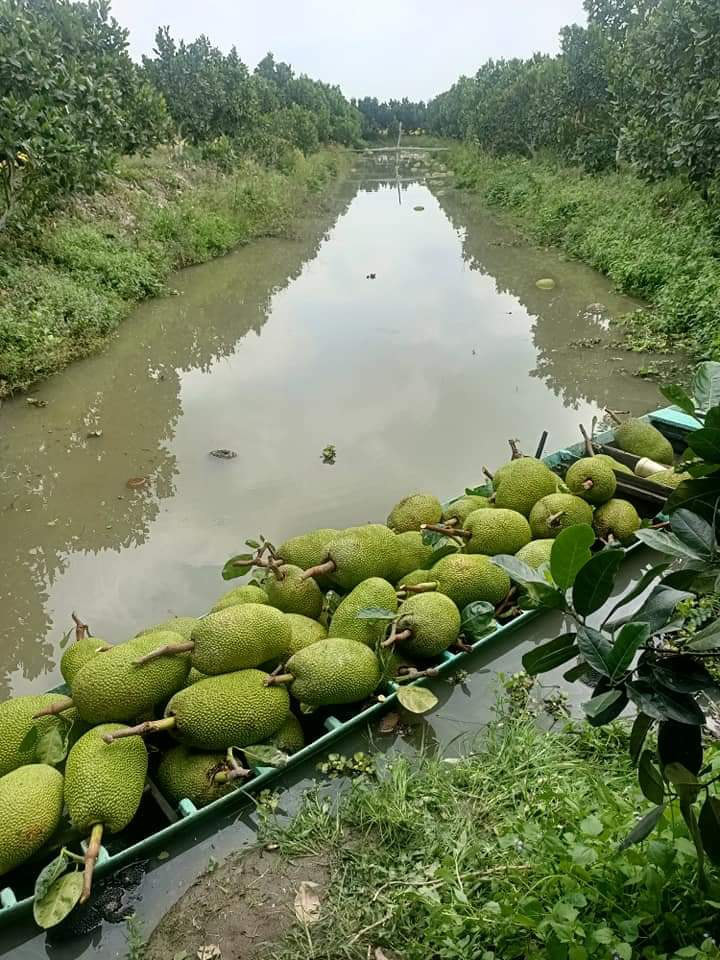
(231, 710)
(111, 687)
(507, 469)
(307, 549)
(535, 553)
(184, 773)
(104, 782)
(31, 804)
(612, 462)
(591, 479)
(412, 553)
(331, 672)
(373, 592)
(554, 513)
(465, 577)
(414, 578)
(496, 531)
(194, 676)
(461, 508)
(248, 593)
(414, 510)
(16, 719)
(78, 654)
(618, 518)
(427, 624)
(287, 591)
(183, 626)
(643, 440)
(304, 631)
(668, 478)
(523, 484)
(290, 737)
(245, 635)
(359, 553)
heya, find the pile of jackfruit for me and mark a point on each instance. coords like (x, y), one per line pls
(328, 618)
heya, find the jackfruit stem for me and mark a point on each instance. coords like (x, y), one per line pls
(419, 588)
(92, 853)
(488, 474)
(588, 484)
(277, 679)
(82, 630)
(149, 726)
(516, 455)
(394, 637)
(446, 529)
(236, 773)
(613, 414)
(319, 570)
(588, 442)
(554, 518)
(462, 646)
(168, 649)
(412, 673)
(55, 708)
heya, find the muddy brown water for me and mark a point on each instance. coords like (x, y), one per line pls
(418, 377)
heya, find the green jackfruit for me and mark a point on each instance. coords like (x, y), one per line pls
(183, 626)
(496, 531)
(554, 513)
(113, 688)
(78, 654)
(16, 719)
(333, 672)
(466, 577)
(307, 549)
(433, 621)
(535, 553)
(413, 554)
(617, 518)
(373, 592)
(644, 440)
(461, 508)
(414, 578)
(612, 462)
(31, 804)
(304, 631)
(287, 591)
(414, 510)
(523, 484)
(362, 552)
(591, 479)
(290, 737)
(231, 710)
(247, 593)
(104, 782)
(245, 635)
(507, 469)
(668, 478)
(194, 676)
(189, 774)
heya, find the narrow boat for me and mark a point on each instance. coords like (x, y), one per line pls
(330, 726)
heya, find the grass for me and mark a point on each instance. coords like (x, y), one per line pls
(509, 852)
(659, 242)
(69, 281)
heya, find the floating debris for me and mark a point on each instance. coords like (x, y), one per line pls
(370, 276)
(546, 283)
(136, 483)
(36, 402)
(329, 453)
(223, 454)
(93, 433)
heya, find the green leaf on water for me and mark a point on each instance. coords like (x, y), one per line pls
(59, 900)
(570, 551)
(417, 699)
(49, 874)
(375, 613)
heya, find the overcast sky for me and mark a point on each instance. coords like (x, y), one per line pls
(382, 48)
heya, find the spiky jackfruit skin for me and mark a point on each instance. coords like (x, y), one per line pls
(77, 655)
(612, 462)
(591, 479)
(434, 621)
(523, 484)
(183, 626)
(184, 773)
(414, 578)
(535, 553)
(644, 440)
(248, 593)
(413, 554)
(414, 510)
(333, 672)
(308, 549)
(304, 631)
(31, 803)
(668, 478)
(239, 637)
(507, 469)
(496, 531)
(113, 688)
(232, 710)
(373, 592)
(290, 737)
(194, 676)
(363, 552)
(617, 517)
(461, 508)
(544, 522)
(104, 782)
(16, 719)
(287, 591)
(466, 577)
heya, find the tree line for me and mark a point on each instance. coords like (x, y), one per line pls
(72, 100)
(639, 86)
(382, 118)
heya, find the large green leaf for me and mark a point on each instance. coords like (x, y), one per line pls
(680, 743)
(417, 699)
(630, 637)
(700, 494)
(477, 620)
(595, 649)
(644, 827)
(706, 443)
(517, 570)
(604, 707)
(640, 729)
(706, 385)
(59, 900)
(694, 531)
(706, 639)
(683, 674)
(668, 543)
(678, 396)
(550, 655)
(570, 551)
(594, 582)
(659, 606)
(650, 779)
(709, 823)
(663, 704)
(237, 566)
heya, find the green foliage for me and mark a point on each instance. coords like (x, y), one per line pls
(380, 119)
